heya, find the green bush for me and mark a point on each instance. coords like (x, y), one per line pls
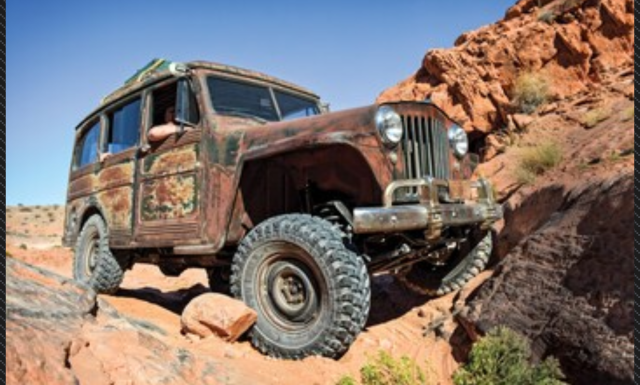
(347, 380)
(536, 161)
(503, 357)
(386, 370)
(531, 90)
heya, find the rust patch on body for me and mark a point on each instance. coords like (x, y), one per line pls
(173, 161)
(169, 198)
(116, 175)
(117, 204)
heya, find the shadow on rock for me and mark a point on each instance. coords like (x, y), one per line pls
(174, 301)
(390, 300)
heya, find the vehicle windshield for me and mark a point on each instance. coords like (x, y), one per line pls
(230, 97)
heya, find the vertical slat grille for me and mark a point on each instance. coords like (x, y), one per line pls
(425, 148)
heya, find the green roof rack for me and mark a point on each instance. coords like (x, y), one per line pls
(151, 67)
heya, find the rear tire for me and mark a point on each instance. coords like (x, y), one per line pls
(94, 264)
(311, 293)
(426, 279)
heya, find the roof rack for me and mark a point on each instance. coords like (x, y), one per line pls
(146, 71)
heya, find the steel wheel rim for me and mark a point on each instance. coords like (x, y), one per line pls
(289, 288)
(91, 250)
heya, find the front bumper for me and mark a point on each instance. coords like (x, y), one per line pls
(429, 215)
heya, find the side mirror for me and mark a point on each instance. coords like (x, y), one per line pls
(324, 107)
(186, 107)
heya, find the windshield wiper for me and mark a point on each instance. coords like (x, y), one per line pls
(244, 115)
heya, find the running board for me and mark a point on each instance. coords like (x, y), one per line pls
(196, 250)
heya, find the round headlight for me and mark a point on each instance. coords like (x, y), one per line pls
(389, 125)
(459, 141)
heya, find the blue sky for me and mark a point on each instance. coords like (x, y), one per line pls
(64, 56)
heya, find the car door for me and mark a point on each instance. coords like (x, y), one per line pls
(168, 204)
(116, 175)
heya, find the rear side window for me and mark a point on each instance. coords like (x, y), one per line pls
(87, 150)
(124, 129)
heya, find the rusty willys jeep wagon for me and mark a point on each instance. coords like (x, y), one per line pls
(289, 206)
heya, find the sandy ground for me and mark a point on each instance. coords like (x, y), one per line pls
(396, 324)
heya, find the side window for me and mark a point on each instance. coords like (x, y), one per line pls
(87, 147)
(164, 98)
(124, 129)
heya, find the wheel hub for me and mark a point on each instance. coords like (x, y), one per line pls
(291, 291)
(91, 255)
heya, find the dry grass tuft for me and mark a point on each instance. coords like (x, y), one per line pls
(595, 116)
(531, 91)
(536, 161)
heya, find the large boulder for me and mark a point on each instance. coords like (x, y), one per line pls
(44, 314)
(59, 333)
(568, 282)
(575, 45)
(217, 314)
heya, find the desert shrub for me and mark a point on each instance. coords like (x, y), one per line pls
(531, 90)
(567, 5)
(536, 161)
(8, 254)
(595, 116)
(347, 380)
(25, 209)
(23, 246)
(383, 369)
(628, 113)
(503, 357)
(547, 16)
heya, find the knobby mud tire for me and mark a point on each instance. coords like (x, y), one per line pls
(107, 273)
(425, 279)
(343, 303)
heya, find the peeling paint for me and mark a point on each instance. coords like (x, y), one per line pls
(169, 198)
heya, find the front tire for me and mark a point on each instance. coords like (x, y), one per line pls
(93, 263)
(311, 293)
(466, 263)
